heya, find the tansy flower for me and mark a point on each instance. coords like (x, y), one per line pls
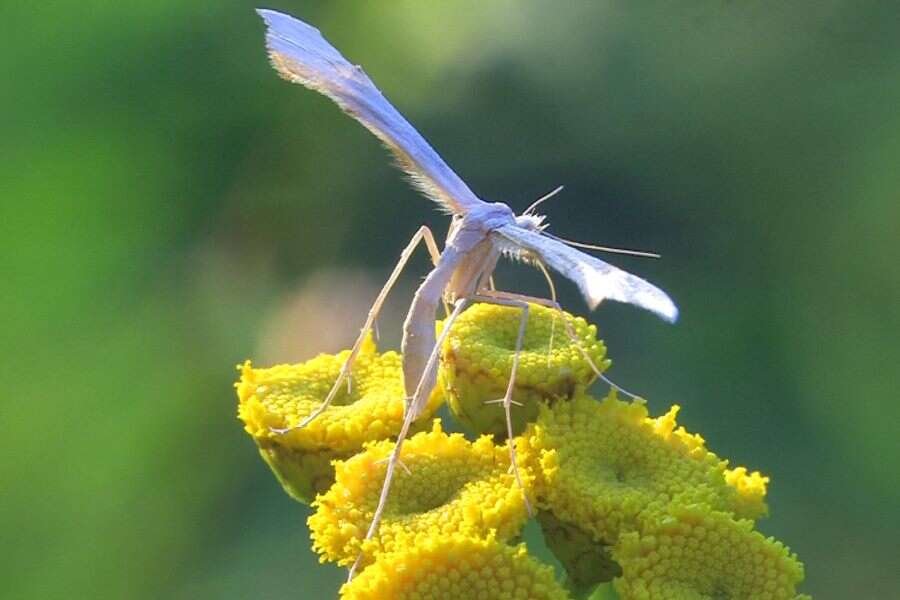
(478, 354)
(456, 567)
(283, 395)
(601, 464)
(692, 552)
(452, 486)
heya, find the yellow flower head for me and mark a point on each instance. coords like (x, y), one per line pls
(283, 395)
(602, 464)
(692, 552)
(453, 486)
(459, 567)
(478, 354)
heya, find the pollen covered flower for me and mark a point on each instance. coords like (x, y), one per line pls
(283, 395)
(602, 464)
(478, 354)
(458, 567)
(692, 551)
(451, 486)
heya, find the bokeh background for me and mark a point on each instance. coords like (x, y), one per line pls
(169, 207)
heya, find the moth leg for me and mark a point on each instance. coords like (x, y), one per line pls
(570, 332)
(394, 459)
(375, 330)
(507, 399)
(552, 287)
(422, 234)
(435, 254)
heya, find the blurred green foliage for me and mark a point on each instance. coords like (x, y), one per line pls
(162, 192)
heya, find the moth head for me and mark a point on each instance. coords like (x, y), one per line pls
(531, 222)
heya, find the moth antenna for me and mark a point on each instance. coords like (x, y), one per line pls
(537, 202)
(603, 248)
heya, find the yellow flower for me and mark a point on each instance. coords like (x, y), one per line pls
(477, 360)
(453, 486)
(690, 552)
(456, 567)
(602, 464)
(283, 395)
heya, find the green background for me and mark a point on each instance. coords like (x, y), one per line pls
(169, 207)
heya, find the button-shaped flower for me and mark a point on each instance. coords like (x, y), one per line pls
(477, 360)
(602, 464)
(457, 567)
(369, 408)
(692, 551)
(450, 485)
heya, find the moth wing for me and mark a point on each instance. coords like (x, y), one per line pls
(301, 55)
(596, 279)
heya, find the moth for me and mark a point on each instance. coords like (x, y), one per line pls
(480, 233)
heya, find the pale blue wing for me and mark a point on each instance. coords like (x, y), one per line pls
(301, 55)
(596, 279)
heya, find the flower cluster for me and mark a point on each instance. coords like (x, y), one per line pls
(605, 472)
(621, 496)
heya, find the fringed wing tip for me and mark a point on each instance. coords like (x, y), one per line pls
(296, 39)
(284, 23)
(273, 18)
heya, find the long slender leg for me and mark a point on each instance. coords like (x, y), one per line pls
(570, 331)
(507, 400)
(435, 254)
(552, 287)
(458, 307)
(422, 234)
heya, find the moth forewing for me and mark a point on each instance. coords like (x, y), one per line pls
(302, 55)
(596, 279)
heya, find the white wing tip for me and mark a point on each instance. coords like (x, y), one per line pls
(649, 298)
(667, 311)
(669, 314)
